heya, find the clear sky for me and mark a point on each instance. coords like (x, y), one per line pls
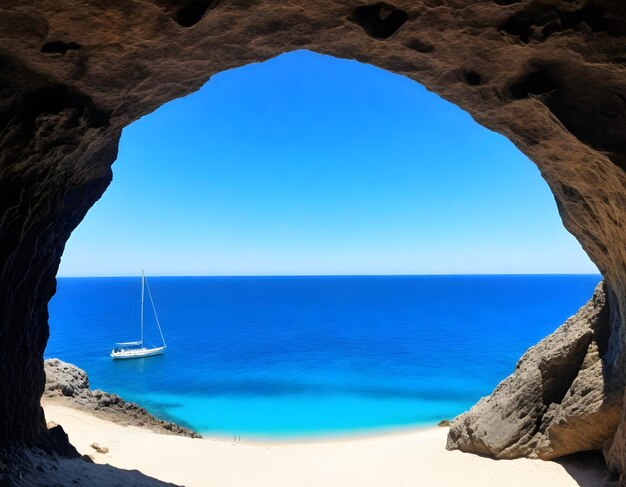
(307, 164)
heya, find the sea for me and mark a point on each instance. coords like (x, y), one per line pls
(284, 357)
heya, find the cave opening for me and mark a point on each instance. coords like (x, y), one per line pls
(311, 165)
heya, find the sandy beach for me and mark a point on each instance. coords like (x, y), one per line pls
(395, 459)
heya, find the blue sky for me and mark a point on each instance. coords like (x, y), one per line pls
(308, 164)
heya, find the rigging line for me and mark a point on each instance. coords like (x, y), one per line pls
(155, 313)
(130, 318)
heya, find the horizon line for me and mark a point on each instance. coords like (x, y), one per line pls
(341, 275)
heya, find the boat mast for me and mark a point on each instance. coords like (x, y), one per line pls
(143, 279)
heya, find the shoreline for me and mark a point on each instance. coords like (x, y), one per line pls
(56, 401)
(69, 409)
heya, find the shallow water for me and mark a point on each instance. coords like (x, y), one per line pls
(292, 356)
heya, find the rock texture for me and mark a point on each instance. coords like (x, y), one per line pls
(548, 74)
(66, 382)
(562, 398)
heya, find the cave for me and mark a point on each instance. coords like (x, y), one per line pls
(549, 75)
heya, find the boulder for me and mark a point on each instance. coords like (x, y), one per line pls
(563, 397)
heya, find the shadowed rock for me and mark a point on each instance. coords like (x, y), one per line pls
(32, 467)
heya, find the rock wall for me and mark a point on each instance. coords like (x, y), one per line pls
(548, 74)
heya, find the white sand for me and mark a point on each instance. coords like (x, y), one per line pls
(412, 458)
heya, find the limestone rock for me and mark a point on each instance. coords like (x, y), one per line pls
(562, 398)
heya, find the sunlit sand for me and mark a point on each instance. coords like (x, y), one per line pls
(397, 459)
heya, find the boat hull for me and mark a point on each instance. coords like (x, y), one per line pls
(140, 353)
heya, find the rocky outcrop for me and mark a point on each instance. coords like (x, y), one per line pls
(563, 397)
(66, 378)
(548, 74)
(66, 382)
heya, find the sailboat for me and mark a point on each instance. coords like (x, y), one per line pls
(125, 350)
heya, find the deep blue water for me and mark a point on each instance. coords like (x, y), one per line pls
(281, 356)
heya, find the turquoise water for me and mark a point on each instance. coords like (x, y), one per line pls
(285, 356)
